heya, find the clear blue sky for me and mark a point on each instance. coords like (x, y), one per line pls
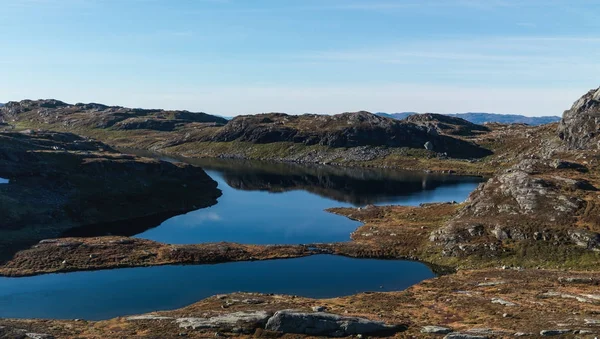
(325, 56)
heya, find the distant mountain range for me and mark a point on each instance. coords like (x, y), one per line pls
(481, 118)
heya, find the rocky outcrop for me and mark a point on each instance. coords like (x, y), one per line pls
(343, 130)
(61, 182)
(529, 202)
(580, 126)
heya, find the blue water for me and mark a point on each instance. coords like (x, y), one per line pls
(296, 216)
(261, 204)
(3, 181)
(111, 293)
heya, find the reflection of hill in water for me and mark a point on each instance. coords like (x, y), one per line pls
(358, 186)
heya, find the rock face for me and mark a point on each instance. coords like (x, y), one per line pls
(60, 182)
(342, 130)
(325, 324)
(580, 126)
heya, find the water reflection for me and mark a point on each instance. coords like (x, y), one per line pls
(356, 186)
(275, 203)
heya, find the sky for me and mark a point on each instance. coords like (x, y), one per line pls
(233, 57)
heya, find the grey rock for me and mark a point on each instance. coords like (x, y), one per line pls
(586, 239)
(227, 321)
(458, 335)
(147, 317)
(428, 146)
(503, 302)
(327, 324)
(575, 280)
(319, 308)
(491, 283)
(522, 334)
(436, 330)
(547, 333)
(253, 301)
(39, 336)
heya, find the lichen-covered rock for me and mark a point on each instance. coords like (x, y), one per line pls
(580, 126)
(521, 203)
(227, 321)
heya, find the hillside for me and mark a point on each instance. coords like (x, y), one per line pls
(482, 118)
(347, 138)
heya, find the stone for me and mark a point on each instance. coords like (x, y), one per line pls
(147, 317)
(492, 283)
(252, 301)
(226, 321)
(458, 335)
(428, 146)
(503, 302)
(39, 336)
(326, 324)
(319, 308)
(575, 280)
(436, 330)
(547, 333)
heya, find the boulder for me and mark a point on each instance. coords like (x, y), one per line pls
(436, 330)
(326, 324)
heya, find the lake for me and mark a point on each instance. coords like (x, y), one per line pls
(279, 203)
(111, 293)
(262, 203)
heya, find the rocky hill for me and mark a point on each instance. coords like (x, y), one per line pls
(60, 182)
(483, 118)
(547, 200)
(580, 126)
(314, 137)
(343, 130)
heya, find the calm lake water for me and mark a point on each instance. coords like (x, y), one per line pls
(285, 203)
(3, 181)
(107, 294)
(261, 204)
